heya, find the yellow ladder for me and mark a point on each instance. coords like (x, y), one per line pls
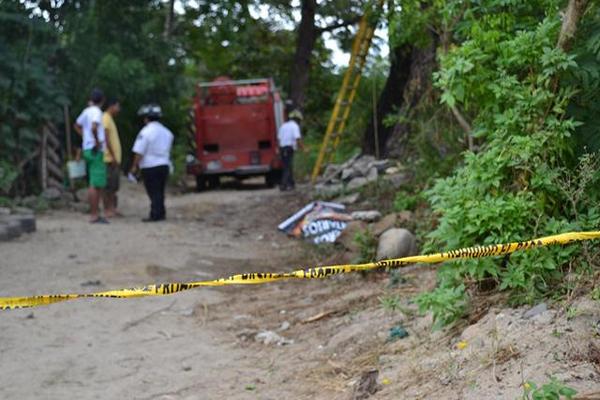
(346, 94)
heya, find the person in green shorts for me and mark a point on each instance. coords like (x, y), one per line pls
(89, 126)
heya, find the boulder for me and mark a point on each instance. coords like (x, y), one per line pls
(367, 216)
(357, 183)
(51, 194)
(396, 243)
(387, 222)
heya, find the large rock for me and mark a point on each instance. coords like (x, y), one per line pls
(387, 222)
(396, 243)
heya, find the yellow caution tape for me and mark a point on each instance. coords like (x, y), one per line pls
(309, 273)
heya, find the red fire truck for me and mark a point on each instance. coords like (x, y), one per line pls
(235, 131)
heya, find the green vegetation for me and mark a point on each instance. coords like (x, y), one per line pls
(367, 246)
(553, 390)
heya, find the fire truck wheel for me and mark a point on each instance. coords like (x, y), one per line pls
(200, 183)
(273, 178)
(213, 182)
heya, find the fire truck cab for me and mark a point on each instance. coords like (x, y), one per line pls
(235, 131)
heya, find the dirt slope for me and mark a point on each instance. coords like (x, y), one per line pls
(201, 344)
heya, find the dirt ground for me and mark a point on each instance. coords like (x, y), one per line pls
(202, 344)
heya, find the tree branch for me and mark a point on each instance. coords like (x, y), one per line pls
(339, 25)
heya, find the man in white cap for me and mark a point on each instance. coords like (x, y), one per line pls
(289, 139)
(152, 150)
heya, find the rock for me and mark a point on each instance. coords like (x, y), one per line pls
(381, 165)
(9, 229)
(51, 194)
(329, 191)
(26, 222)
(4, 211)
(348, 199)
(348, 174)
(387, 222)
(346, 238)
(285, 325)
(270, 337)
(532, 312)
(331, 170)
(372, 174)
(367, 216)
(396, 243)
(363, 164)
(397, 180)
(357, 183)
(392, 170)
(82, 195)
(22, 210)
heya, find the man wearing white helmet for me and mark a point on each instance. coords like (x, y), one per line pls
(152, 150)
(289, 139)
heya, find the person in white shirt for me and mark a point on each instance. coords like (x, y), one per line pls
(289, 139)
(89, 127)
(152, 149)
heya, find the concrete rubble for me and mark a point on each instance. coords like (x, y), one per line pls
(357, 172)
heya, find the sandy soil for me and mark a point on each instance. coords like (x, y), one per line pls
(201, 344)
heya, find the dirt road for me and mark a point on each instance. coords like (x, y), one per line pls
(202, 344)
(140, 348)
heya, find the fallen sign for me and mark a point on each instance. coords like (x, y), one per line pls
(318, 222)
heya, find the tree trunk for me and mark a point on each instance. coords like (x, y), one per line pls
(390, 98)
(307, 37)
(418, 85)
(573, 13)
(168, 29)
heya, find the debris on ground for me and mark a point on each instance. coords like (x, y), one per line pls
(357, 172)
(270, 337)
(367, 216)
(15, 222)
(397, 332)
(318, 222)
(367, 385)
(536, 310)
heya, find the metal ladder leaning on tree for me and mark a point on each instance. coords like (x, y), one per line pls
(347, 92)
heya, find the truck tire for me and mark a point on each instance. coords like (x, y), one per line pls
(213, 182)
(200, 183)
(272, 179)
